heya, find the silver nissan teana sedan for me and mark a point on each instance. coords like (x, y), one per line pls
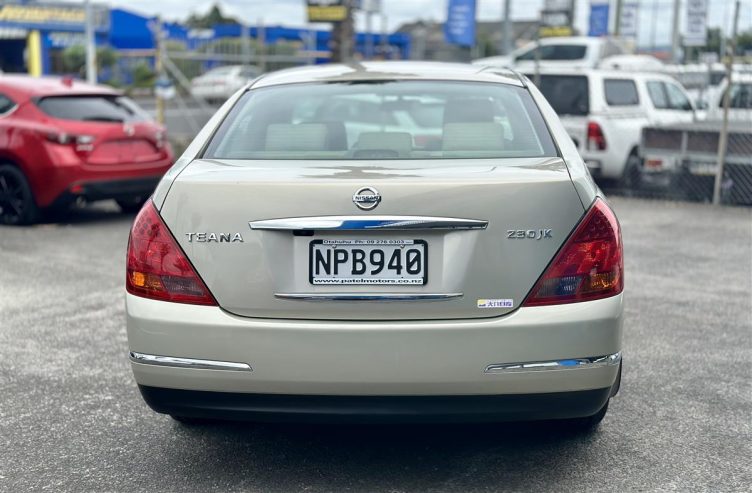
(405, 241)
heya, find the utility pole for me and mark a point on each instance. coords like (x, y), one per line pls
(723, 138)
(245, 39)
(261, 39)
(675, 33)
(342, 36)
(617, 19)
(91, 50)
(369, 35)
(506, 34)
(159, 68)
(384, 36)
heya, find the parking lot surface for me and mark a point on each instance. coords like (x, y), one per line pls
(71, 418)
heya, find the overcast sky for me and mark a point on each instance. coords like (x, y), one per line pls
(292, 12)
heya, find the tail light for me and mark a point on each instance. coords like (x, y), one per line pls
(157, 268)
(82, 142)
(589, 266)
(595, 138)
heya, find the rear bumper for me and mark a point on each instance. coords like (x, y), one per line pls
(108, 189)
(340, 358)
(117, 189)
(344, 409)
(57, 182)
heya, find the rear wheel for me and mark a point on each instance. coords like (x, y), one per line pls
(17, 205)
(632, 177)
(132, 205)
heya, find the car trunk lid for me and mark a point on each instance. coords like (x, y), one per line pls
(490, 228)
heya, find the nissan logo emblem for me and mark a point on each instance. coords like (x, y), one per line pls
(367, 198)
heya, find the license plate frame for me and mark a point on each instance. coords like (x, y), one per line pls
(390, 245)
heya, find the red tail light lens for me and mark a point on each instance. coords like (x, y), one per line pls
(595, 138)
(157, 268)
(589, 266)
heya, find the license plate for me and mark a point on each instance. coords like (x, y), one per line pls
(702, 169)
(356, 262)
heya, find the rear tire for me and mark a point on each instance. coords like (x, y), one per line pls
(131, 206)
(17, 204)
(631, 180)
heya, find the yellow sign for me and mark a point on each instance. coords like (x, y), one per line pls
(326, 11)
(41, 14)
(552, 31)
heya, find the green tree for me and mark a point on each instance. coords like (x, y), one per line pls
(744, 42)
(74, 58)
(143, 75)
(210, 19)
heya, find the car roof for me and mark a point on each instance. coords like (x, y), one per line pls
(602, 73)
(376, 71)
(572, 40)
(25, 85)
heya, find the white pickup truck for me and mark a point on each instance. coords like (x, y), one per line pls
(681, 160)
(604, 111)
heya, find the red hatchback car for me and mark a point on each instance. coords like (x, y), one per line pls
(61, 140)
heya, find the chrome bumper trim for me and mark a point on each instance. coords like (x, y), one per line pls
(201, 364)
(564, 364)
(367, 297)
(360, 223)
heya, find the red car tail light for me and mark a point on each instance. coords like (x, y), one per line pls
(595, 138)
(589, 266)
(157, 268)
(83, 142)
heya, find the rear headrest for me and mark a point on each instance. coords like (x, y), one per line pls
(473, 137)
(296, 137)
(394, 141)
(468, 110)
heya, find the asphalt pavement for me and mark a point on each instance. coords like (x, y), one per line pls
(71, 418)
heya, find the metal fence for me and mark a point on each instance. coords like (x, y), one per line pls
(703, 161)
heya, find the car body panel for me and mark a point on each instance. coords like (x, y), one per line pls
(375, 358)
(621, 125)
(117, 152)
(221, 83)
(224, 196)
(596, 50)
(372, 348)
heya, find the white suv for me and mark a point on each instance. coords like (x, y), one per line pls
(604, 112)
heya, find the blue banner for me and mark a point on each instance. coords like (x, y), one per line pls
(459, 28)
(598, 19)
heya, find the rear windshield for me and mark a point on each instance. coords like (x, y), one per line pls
(96, 108)
(567, 94)
(383, 120)
(556, 52)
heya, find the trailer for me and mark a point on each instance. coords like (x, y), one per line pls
(680, 160)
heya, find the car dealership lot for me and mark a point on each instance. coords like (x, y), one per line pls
(71, 417)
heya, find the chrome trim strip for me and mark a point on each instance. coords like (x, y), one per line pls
(367, 297)
(359, 223)
(202, 364)
(564, 364)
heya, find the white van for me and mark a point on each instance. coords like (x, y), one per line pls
(604, 112)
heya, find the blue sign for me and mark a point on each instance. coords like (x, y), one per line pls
(459, 28)
(598, 19)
